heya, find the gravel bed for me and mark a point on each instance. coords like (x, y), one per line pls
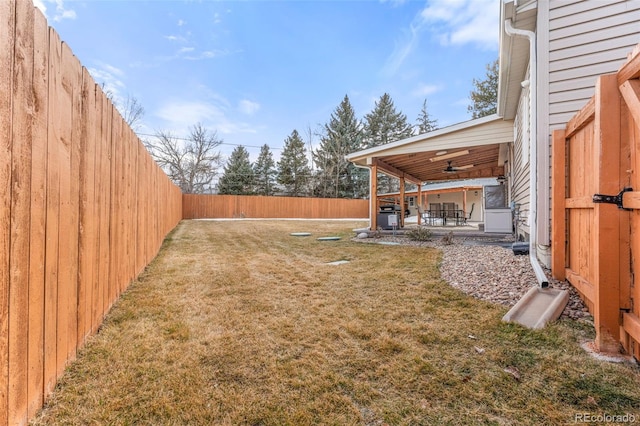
(489, 272)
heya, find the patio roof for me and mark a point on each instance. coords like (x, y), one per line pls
(475, 149)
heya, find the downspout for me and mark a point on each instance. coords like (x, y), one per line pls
(533, 149)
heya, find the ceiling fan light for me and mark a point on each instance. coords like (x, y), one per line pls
(450, 155)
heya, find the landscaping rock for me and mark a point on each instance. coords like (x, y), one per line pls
(491, 272)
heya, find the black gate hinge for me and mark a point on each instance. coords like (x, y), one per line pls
(612, 199)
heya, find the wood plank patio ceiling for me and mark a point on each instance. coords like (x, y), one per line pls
(483, 159)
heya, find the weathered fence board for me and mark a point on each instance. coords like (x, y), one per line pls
(596, 245)
(38, 214)
(20, 213)
(53, 213)
(7, 34)
(83, 208)
(247, 206)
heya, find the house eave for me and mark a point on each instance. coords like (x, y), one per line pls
(514, 54)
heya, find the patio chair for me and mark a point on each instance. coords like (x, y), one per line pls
(435, 213)
(468, 217)
(421, 212)
(449, 211)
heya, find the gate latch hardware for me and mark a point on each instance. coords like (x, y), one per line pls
(612, 199)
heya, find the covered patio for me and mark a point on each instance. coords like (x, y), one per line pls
(468, 150)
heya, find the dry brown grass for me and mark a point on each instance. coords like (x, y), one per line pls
(239, 323)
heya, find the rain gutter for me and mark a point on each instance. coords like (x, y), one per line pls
(533, 150)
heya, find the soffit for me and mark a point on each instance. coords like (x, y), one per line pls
(481, 144)
(514, 55)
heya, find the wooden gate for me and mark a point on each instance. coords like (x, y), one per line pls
(595, 224)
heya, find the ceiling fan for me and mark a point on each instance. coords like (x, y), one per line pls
(451, 169)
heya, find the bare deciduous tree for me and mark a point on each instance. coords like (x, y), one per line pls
(191, 163)
(132, 111)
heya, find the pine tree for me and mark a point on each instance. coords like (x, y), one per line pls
(264, 172)
(293, 167)
(237, 178)
(337, 177)
(384, 124)
(424, 123)
(485, 95)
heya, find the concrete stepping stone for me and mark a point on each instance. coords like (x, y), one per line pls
(338, 262)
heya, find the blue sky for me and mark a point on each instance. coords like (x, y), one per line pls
(255, 70)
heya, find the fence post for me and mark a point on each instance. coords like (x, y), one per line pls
(373, 198)
(607, 216)
(558, 212)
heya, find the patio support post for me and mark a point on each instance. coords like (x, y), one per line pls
(402, 202)
(464, 201)
(420, 206)
(373, 198)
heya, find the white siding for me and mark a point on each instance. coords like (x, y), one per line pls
(520, 169)
(586, 39)
(580, 40)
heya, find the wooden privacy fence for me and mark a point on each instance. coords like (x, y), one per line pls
(595, 242)
(247, 206)
(83, 208)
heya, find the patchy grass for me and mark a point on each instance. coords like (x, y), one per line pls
(240, 323)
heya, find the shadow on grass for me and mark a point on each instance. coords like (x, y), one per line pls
(241, 323)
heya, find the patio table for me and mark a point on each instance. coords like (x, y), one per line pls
(433, 217)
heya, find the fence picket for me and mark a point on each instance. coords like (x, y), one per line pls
(198, 206)
(7, 32)
(20, 214)
(77, 190)
(38, 215)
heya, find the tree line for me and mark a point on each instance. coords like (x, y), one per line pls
(193, 163)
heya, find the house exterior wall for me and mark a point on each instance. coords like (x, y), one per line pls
(576, 42)
(585, 39)
(520, 166)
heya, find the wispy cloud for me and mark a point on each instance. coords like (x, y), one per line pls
(188, 51)
(248, 107)
(180, 115)
(423, 90)
(403, 49)
(176, 38)
(61, 11)
(460, 22)
(451, 22)
(207, 54)
(110, 78)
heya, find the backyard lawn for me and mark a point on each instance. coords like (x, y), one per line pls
(240, 323)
